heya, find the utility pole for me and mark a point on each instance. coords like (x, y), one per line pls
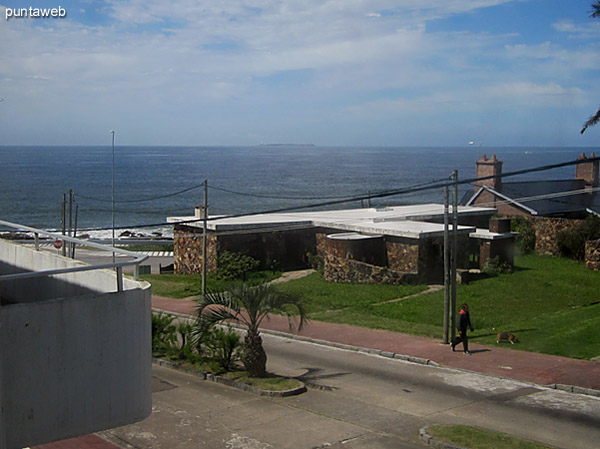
(64, 222)
(454, 253)
(113, 194)
(75, 231)
(446, 267)
(204, 243)
(70, 231)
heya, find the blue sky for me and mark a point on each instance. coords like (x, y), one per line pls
(328, 72)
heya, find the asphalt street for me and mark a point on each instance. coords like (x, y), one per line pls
(354, 400)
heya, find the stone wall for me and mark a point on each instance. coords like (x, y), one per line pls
(592, 255)
(187, 251)
(546, 231)
(341, 270)
(402, 256)
(321, 243)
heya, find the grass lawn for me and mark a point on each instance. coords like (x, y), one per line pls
(184, 285)
(552, 304)
(475, 438)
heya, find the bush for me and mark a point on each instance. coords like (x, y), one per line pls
(315, 261)
(494, 267)
(164, 333)
(223, 346)
(184, 340)
(571, 242)
(231, 266)
(525, 241)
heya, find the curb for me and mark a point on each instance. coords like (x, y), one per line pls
(230, 382)
(429, 440)
(379, 352)
(575, 389)
(419, 360)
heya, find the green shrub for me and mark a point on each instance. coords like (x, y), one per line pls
(223, 346)
(525, 241)
(494, 267)
(315, 261)
(231, 266)
(571, 242)
(164, 333)
(184, 340)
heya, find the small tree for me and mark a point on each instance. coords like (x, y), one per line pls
(571, 243)
(525, 241)
(249, 306)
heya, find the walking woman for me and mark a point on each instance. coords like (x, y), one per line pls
(464, 322)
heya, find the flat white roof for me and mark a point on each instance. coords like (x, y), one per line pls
(485, 234)
(401, 221)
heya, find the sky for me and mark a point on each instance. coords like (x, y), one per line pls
(324, 72)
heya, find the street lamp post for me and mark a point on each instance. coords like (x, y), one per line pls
(113, 194)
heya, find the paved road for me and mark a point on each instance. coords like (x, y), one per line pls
(354, 400)
(414, 394)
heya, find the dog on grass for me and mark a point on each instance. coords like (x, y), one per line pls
(507, 336)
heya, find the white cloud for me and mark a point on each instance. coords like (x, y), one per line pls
(533, 95)
(358, 57)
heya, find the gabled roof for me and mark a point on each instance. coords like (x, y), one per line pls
(544, 198)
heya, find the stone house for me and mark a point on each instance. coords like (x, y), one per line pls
(550, 205)
(392, 245)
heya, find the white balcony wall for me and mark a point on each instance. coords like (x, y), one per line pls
(76, 354)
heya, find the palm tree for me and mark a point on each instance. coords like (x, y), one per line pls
(594, 119)
(249, 306)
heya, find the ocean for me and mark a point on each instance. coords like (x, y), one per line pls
(152, 183)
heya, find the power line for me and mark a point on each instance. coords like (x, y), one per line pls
(141, 200)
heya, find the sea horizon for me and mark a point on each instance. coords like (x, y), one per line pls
(158, 181)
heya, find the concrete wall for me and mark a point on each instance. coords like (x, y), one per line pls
(15, 258)
(77, 364)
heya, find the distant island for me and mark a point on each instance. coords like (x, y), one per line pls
(287, 144)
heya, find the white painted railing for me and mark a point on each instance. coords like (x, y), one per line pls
(118, 266)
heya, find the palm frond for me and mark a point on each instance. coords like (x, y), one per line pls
(595, 10)
(593, 120)
(218, 307)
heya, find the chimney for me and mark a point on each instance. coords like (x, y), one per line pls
(491, 167)
(587, 170)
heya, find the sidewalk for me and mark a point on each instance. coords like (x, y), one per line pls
(541, 369)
